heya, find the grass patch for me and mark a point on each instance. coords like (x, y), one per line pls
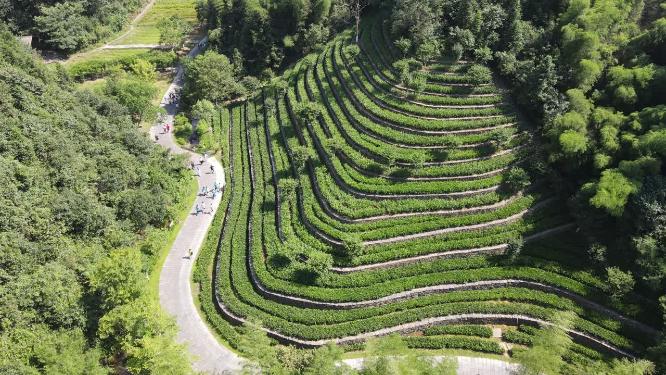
(106, 55)
(96, 85)
(146, 32)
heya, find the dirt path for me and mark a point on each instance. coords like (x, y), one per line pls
(132, 25)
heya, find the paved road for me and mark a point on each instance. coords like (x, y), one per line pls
(175, 289)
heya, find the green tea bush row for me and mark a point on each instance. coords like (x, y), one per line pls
(454, 342)
(460, 329)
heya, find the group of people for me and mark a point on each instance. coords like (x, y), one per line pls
(173, 96)
(212, 191)
(166, 128)
(205, 191)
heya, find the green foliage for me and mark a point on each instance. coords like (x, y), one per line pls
(118, 278)
(159, 355)
(65, 26)
(418, 22)
(573, 143)
(146, 335)
(173, 30)
(619, 282)
(82, 189)
(352, 246)
(549, 345)
(53, 352)
(612, 192)
(428, 50)
(308, 111)
(210, 76)
(516, 179)
(263, 34)
(404, 45)
(352, 51)
(204, 110)
(389, 355)
(99, 67)
(71, 25)
(182, 128)
(478, 74)
(301, 157)
(287, 187)
(135, 94)
(143, 70)
(514, 248)
(460, 329)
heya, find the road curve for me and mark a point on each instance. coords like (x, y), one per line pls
(175, 289)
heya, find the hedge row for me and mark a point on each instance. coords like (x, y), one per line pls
(97, 68)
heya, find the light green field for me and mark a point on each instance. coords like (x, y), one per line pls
(96, 85)
(146, 32)
(106, 54)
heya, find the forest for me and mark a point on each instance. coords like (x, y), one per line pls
(67, 26)
(85, 198)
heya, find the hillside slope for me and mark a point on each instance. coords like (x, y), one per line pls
(83, 195)
(359, 207)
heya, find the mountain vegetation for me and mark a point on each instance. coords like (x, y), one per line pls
(67, 26)
(86, 201)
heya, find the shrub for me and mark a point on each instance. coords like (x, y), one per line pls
(619, 282)
(96, 68)
(514, 248)
(404, 45)
(478, 74)
(515, 180)
(308, 111)
(182, 129)
(352, 51)
(352, 246)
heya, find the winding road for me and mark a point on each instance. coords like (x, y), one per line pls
(175, 288)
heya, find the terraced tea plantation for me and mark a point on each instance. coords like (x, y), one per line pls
(358, 206)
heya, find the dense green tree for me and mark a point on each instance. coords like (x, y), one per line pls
(173, 30)
(210, 76)
(135, 94)
(118, 278)
(613, 191)
(417, 21)
(24, 351)
(64, 26)
(128, 329)
(143, 70)
(158, 355)
(619, 282)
